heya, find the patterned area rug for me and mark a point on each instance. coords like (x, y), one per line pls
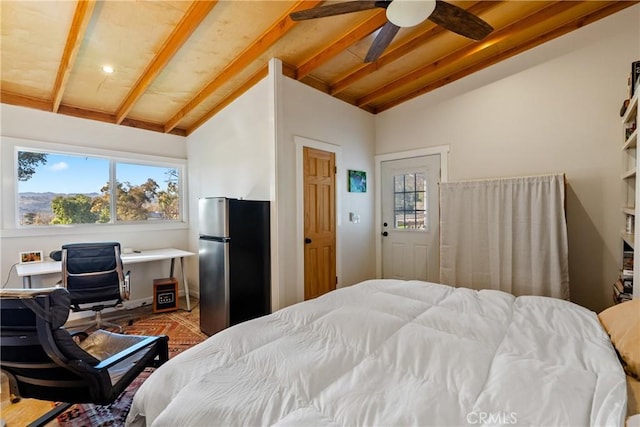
(183, 331)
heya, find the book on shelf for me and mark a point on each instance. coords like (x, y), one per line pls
(620, 296)
(624, 286)
(619, 286)
(635, 75)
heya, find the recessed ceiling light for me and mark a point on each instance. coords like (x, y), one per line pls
(107, 69)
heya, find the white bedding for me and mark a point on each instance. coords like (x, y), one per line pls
(390, 353)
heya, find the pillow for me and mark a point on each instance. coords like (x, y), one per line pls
(622, 323)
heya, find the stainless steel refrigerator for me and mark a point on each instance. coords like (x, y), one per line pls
(235, 261)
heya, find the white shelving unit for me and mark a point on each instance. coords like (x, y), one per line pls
(631, 199)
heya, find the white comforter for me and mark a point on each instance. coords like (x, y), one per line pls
(395, 353)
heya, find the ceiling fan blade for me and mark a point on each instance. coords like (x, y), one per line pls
(460, 21)
(382, 41)
(337, 9)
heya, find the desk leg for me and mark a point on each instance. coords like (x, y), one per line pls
(186, 285)
(26, 282)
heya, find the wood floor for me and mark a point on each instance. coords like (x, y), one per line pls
(26, 410)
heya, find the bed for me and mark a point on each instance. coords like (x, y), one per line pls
(389, 353)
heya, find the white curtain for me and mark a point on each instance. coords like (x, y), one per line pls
(508, 234)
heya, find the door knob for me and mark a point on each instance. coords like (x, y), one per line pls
(307, 240)
(385, 234)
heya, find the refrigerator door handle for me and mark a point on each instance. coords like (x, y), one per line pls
(215, 239)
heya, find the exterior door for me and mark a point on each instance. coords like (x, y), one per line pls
(410, 218)
(319, 222)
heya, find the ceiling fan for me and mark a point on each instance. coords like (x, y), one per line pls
(405, 13)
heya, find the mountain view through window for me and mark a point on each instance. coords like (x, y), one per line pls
(56, 188)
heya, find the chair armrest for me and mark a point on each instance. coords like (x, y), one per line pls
(130, 351)
(125, 286)
(79, 334)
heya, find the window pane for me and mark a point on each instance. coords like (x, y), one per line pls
(399, 202)
(410, 202)
(399, 220)
(61, 188)
(421, 182)
(420, 205)
(410, 182)
(398, 183)
(146, 192)
(54, 188)
(420, 220)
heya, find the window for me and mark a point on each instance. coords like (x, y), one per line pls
(57, 188)
(410, 195)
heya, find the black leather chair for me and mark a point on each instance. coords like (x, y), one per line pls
(44, 361)
(93, 275)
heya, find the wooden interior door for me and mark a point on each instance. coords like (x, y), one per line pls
(319, 222)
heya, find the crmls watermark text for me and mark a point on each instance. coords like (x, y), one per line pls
(503, 418)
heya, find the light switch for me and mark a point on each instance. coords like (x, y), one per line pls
(354, 217)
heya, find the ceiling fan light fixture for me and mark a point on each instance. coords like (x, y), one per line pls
(408, 13)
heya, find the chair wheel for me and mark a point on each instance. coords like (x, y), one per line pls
(130, 322)
(15, 399)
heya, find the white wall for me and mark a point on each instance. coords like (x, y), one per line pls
(552, 109)
(232, 155)
(308, 113)
(50, 130)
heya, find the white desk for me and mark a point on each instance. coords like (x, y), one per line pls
(26, 271)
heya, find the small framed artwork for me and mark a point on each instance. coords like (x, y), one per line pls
(357, 181)
(30, 256)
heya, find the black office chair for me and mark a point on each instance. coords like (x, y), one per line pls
(43, 360)
(93, 275)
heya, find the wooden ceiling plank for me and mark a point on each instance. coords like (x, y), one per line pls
(253, 51)
(255, 78)
(608, 8)
(351, 37)
(187, 25)
(534, 18)
(79, 25)
(419, 39)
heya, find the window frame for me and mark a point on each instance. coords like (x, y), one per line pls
(114, 157)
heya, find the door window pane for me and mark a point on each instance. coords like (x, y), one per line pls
(410, 195)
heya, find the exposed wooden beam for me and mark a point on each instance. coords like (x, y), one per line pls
(288, 70)
(253, 51)
(255, 78)
(468, 50)
(609, 9)
(24, 101)
(45, 105)
(354, 35)
(155, 127)
(79, 24)
(181, 33)
(111, 118)
(426, 34)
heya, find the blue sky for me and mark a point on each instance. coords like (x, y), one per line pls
(77, 174)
